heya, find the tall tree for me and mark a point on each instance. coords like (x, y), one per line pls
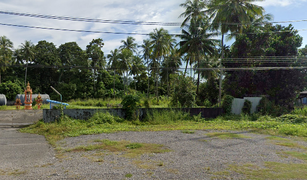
(129, 44)
(197, 43)
(46, 55)
(231, 15)
(71, 56)
(113, 57)
(96, 56)
(194, 9)
(161, 44)
(6, 52)
(27, 52)
(281, 86)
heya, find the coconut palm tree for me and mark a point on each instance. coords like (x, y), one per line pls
(114, 59)
(232, 15)
(27, 52)
(197, 43)
(194, 9)
(161, 44)
(129, 44)
(6, 52)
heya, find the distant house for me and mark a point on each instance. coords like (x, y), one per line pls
(302, 98)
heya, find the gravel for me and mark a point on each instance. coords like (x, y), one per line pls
(192, 156)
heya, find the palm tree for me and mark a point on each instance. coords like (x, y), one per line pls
(113, 59)
(197, 43)
(161, 44)
(6, 52)
(27, 52)
(125, 60)
(147, 55)
(194, 9)
(231, 15)
(170, 65)
(129, 44)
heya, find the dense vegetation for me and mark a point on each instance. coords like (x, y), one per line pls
(152, 68)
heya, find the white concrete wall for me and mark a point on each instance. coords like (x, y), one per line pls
(237, 104)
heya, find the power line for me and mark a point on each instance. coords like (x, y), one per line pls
(128, 22)
(75, 30)
(67, 18)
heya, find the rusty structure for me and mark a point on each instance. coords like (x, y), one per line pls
(28, 97)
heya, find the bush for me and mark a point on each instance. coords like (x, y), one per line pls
(246, 109)
(103, 118)
(292, 118)
(267, 107)
(227, 103)
(130, 104)
(184, 93)
(11, 89)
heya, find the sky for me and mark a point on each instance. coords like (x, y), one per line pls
(132, 10)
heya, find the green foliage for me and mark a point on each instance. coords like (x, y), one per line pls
(168, 116)
(254, 43)
(246, 109)
(267, 107)
(227, 103)
(11, 89)
(146, 103)
(130, 104)
(134, 145)
(102, 118)
(292, 118)
(184, 93)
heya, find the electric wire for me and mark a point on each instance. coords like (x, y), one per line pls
(76, 30)
(129, 22)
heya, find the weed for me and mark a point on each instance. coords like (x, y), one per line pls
(129, 175)
(272, 170)
(134, 145)
(188, 131)
(299, 155)
(131, 149)
(226, 135)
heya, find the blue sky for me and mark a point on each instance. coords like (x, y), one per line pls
(136, 10)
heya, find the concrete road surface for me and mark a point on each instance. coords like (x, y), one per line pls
(22, 150)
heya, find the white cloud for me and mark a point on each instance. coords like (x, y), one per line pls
(283, 3)
(135, 10)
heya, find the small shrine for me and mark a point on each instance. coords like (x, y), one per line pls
(28, 97)
(18, 103)
(39, 101)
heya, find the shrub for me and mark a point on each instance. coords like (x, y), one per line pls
(11, 89)
(292, 118)
(246, 109)
(184, 93)
(227, 103)
(103, 118)
(267, 107)
(130, 104)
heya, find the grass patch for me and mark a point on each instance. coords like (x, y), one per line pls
(163, 121)
(299, 155)
(130, 149)
(284, 142)
(129, 175)
(188, 131)
(272, 170)
(15, 172)
(226, 135)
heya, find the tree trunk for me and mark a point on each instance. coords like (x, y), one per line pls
(186, 67)
(198, 74)
(26, 74)
(221, 73)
